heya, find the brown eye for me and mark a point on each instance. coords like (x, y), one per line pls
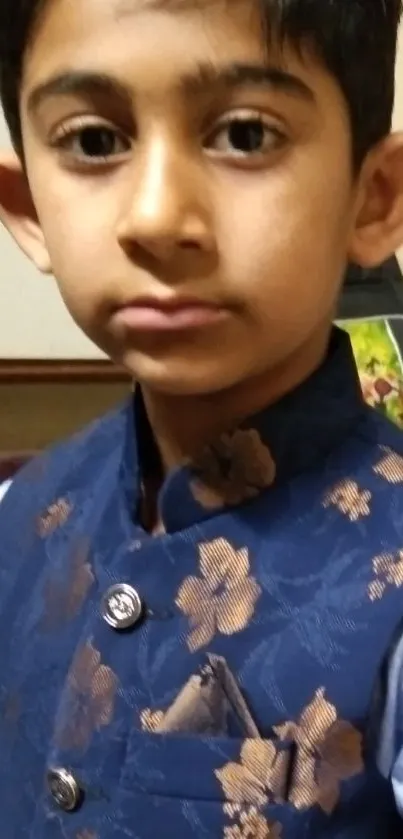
(97, 142)
(243, 136)
(246, 135)
(92, 143)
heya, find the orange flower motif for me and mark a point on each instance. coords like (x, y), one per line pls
(349, 499)
(86, 834)
(250, 824)
(304, 767)
(63, 600)
(221, 600)
(91, 697)
(235, 469)
(260, 774)
(329, 751)
(390, 467)
(150, 720)
(11, 710)
(54, 517)
(388, 569)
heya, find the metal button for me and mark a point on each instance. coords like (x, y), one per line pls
(121, 606)
(64, 789)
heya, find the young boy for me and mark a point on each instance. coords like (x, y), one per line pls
(201, 596)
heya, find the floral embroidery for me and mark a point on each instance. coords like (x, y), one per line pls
(349, 499)
(329, 751)
(249, 824)
(86, 834)
(64, 598)
(55, 516)
(388, 569)
(304, 766)
(236, 468)
(390, 467)
(11, 710)
(221, 600)
(258, 774)
(90, 699)
(150, 720)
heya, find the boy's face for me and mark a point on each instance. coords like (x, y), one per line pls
(167, 167)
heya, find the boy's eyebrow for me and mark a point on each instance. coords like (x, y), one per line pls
(205, 77)
(76, 83)
(239, 75)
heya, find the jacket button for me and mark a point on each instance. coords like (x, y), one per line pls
(121, 606)
(64, 789)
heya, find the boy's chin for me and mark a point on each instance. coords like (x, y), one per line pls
(179, 379)
(178, 387)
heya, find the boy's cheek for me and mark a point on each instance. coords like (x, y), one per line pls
(273, 253)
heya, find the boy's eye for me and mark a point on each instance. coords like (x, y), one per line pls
(243, 136)
(92, 143)
(240, 136)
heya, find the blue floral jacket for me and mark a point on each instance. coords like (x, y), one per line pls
(225, 678)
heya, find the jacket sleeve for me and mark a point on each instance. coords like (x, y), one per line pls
(390, 749)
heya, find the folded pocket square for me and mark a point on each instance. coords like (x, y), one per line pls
(210, 703)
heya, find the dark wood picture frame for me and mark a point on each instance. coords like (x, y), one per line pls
(29, 370)
(44, 401)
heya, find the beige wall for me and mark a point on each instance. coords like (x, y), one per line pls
(33, 321)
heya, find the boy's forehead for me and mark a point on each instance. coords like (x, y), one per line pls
(127, 8)
(140, 43)
(67, 28)
(65, 11)
(119, 9)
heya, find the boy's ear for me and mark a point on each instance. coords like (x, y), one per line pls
(378, 227)
(17, 211)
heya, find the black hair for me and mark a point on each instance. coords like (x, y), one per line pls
(354, 39)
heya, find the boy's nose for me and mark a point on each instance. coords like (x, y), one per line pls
(166, 207)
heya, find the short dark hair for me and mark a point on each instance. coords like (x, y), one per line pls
(354, 39)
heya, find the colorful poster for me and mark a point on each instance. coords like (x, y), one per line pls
(378, 350)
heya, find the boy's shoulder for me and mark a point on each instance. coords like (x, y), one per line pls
(364, 478)
(372, 456)
(380, 432)
(44, 492)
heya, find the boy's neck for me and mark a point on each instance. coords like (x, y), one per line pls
(183, 425)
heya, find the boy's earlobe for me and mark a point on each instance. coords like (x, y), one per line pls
(17, 211)
(378, 228)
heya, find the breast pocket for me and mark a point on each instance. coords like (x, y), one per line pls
(187, 785)
(178, 765)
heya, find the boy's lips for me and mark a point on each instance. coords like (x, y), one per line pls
(153, 315)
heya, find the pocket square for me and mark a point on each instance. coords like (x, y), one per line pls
(210, 703)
